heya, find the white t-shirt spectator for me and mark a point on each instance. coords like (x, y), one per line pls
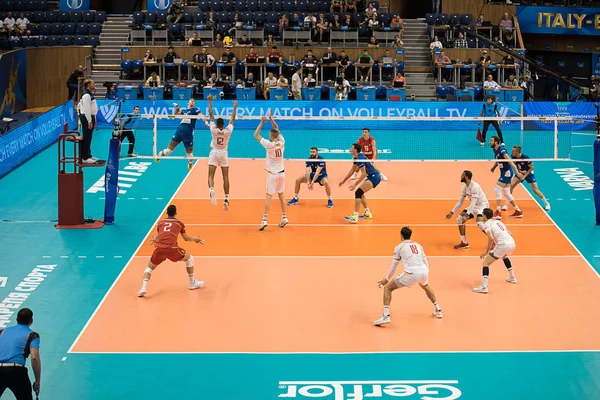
(296, 82)
(491, 85)
(270, 82)
(436, 45)
(10, 23)
(307, 81)
(22, 23)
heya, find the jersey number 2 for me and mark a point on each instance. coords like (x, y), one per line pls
(220, 141)
(414, 249)
(277, 153)
(167, 227)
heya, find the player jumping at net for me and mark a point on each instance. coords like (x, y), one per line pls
(373, 178)
(507, 170)
(369, 149)
(478, 201)
(184, 133)
(274, 166)
(316, 172)
(218, 155)
(129, 123)
(166, 245)
(416, 270)
(525, 167)
(499, 235)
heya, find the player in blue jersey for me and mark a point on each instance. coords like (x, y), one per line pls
(185, 132)
(507, 171)
(371, 178)
(525, 167)
(316, 172)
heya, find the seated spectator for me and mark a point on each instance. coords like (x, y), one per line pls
(373, 24)
(148, 57)
(350, 6)
(527, 85)
(110, 93)
(511, 82)
(309, 79)
(396, 23)
(490, 83)
(480, 20)
(227, 57)
(73, 82)
(270, 82)
(9, 24)
(435, 44)
(387, 68)
(21, 25)
(213, 80)
(236, 24)
(509, 61)
(296, 20)
(365, 69)
(218, 40)
(3, 31)
(270, 42)
(252, 55)
(322, 27)
(336, 6)
(274, 54)
(370, 11)
(170, 57)
(309, 63)
(210, 22)
(460, 42)
(484, 61)
(348, 23)
(203, 57)
(441, 61)
(244, 41)
(336, 23)
(343, 62)
(506, 28)
(175, 13)
(282, 82)
(399, 80)
(284, 23)
(341, 87)
(397, 43)
(310, 23)
(250, 81)
(153, 80)
(193, 39)
(373, 43)
(297, 84)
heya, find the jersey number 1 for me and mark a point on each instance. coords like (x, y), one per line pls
(277, 153)
(414, 249)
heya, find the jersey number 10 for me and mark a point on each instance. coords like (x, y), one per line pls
(414, 249)
(277, 153)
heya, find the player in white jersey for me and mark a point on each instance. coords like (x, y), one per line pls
(416, 270)
(472, 191)
(274, 166)
(218, 154)
(503, 246)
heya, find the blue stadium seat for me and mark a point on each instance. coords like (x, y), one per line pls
(272, 17)
(384, 19)
(272, 29)
(301, 5)
(455, 19)
(42, 5)
(6, 5)
(222, 28)
(82, 28)
(442, 91)
(277, 5)
(138, 18)
(57, 28)
(70, 28)
(39, 17)
(126, 66)
(52, 16)
(216, 5)
(100, 17)
(430, 18)
(161, 17)
(442, 19)
(289, 5)
(66, 40)
(53, 40)
(77, 16)
(28, 15)
(64, 17)
(89, 17)
(252, 5)
(93, 40)
(34, 29)
(31, 5)
(323, 6)
(151, 17)
(247, 17)
(240, 5)
(45, 28)
(95, 28)
(80, 40)
(39, 41)
(187, 18)
(259, 18)
(466, 19)
(264, 5)
(471, 42)
(18, 5)
(203, 5)
(27, 42)
(198, 17)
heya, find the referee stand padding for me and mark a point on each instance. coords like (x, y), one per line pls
(70, 184)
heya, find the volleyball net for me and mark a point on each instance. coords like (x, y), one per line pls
(397, 138)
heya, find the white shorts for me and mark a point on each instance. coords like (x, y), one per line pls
(477, 209)
(275, 183)
(218, 158)
(503, 250)
(411, 278)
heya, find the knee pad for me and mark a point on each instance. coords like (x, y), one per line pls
(148, 270)
(189, 155)
(167, 151)
(359, 193)
(508, 194)
(460, 220)
(498, 191)
(190, 262)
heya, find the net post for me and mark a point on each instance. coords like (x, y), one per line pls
(555, 137)
(154, 135)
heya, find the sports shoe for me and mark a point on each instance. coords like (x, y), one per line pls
(382, 321)
(160, 154)
(367, 215)
(511, 279)
(547, 207)
(438, 314)
(293, 202)
(284, 222)
(263, 225)
(351, 218)
(462, 246)
(497, 214)
(354, 176)
(88, 161)
(517, 214)
(481, 143)
(329, 203)
(213, 197)
(190, 165)
(505, 207)
(131, 155)
(384, 178)
(196, 285)
(142, 292)
(226, 205)
(481, 289)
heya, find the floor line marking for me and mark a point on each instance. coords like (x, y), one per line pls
(64, 256)
(81, 256)
(99, 256)
(46, 256)
(129, 262)
(350, 198)
(564, 234)
(387, 256)
(344, 352)
(350, 225)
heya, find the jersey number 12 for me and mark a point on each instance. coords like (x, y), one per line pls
(220, 141)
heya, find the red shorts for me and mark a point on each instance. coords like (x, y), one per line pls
(369, 156)
(174, 254)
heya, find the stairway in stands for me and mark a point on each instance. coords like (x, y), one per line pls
(417, 61)
(107, 56)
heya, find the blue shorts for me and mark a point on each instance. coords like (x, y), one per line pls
(184, 135)
(506, 176)
(530, 178)
(319, 179)
(375, 179)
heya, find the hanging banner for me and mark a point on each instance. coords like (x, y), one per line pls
(559, 20)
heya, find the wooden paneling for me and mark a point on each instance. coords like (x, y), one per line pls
(562, 43)
(186, 53)
(491, 12)
(47, 72)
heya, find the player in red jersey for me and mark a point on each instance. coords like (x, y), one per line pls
(369, 149)
(166, 245)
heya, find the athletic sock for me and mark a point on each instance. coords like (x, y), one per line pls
(144, 283)
(264, 217)
(517, 208)
(463, 238)
(296, 196)
(329, 197)
(386, 311)
(485, 281)
(498, 208)
(226, 197)
(283, 215)
(367, 210)
(436, 306)
(192, 279)
(355, 213)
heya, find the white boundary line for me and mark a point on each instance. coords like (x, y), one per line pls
(369, 257)
(564, 234)
(454, 199)
(349, 225)
(341, 352)
(129, 261)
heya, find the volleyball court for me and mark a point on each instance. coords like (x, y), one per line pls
(312, 285)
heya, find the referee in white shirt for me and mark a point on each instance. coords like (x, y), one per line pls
(88, 109)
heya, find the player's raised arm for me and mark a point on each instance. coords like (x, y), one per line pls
(177, 109)
(235, 106)
(188, 238)
(275, 126)
(211, 116)
(257, 134)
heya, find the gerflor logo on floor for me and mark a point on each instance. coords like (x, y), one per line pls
(359, 390)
